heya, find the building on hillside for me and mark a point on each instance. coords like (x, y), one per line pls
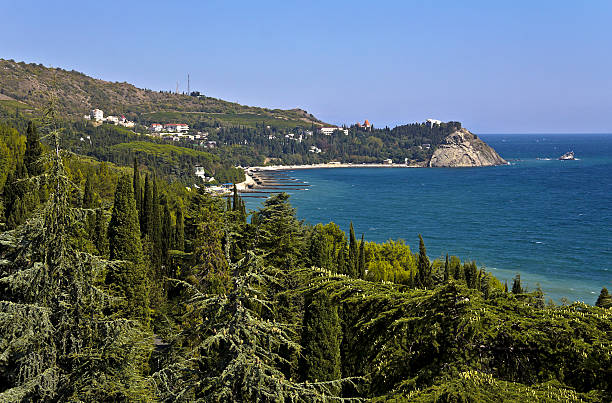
(328, 131)
(366, 125)
(388, 161)
(176, 127)
(97, 115)
(156, 127)
(314, 149)
(112, 119)
(433, 122)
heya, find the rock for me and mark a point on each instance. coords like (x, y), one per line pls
(464, 149)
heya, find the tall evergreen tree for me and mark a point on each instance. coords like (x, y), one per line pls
(446, 270)
(166, 233)
(137, 187)
(353, 258)
(124, 244)
(146, 218)
(516, 285)
(362, 264)
(321, 337)
(56, 340)
(235, 199)
(604, 300)
(180, 228)
(423, 266)
(88, 194)
(33, 151)
(100, 238)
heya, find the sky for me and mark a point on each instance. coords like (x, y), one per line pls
(496, 66)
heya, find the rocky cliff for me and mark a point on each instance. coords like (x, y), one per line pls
(464, 149)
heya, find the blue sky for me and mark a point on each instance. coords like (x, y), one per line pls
(497, 66)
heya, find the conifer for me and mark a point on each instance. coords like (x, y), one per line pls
(180, 228)
(516, 285)
(321, 338)
(423, 266)
(353, 258)
(362, 264)
(33, 151)
(146, 217)
(88, 193)
(124, 244)
(137, 187)
(604, 300)
(446, 270)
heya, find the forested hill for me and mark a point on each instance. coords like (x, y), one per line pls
(77, 93)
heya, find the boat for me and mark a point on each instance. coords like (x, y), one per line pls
(567, 156)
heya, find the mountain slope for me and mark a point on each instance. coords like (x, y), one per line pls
(77, 93)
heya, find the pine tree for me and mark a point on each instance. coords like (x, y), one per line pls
(33, 151)
(124, 244)
(604, 300)
(156, 231)
(166, 233)
(321, 339)
(56, 340)
(235, 198)
(100, 238)
(353, 258)
(362, 264)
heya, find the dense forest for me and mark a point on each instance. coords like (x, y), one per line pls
(117, 284)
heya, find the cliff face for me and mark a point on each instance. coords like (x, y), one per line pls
(463, 149)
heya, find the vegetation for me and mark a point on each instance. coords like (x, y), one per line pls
(119, 285)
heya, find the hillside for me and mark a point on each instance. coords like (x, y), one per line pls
(77, 93)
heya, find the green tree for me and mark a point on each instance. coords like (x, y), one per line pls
(130, 278)
(604, 300)
(353, 257)
(447, 275)
(321, 338)
(516, 285)
(424, 279)
(146, 216)
(88, 194)
(362, 258)
(33, 151)
(180, 228)
(137, 187)
(56, 341)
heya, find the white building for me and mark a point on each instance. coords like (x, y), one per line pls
(315, 149)
(432, 122)
(97, 115)
(112, 119)
(388, 161)
(328, 131)
(176, 127)
(156, 127)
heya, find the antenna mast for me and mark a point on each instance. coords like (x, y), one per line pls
(176, 88)
(188, 90)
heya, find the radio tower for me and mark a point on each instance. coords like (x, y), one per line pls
(176, 88)
(188, 90)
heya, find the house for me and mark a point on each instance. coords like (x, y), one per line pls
(112, 119)
(156, 127)
(97, 115)
(433, 122)
(176, 127)
(388, 161)
(314, 149)
(328, 131)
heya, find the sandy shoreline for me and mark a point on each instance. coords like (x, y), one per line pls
(318, 166)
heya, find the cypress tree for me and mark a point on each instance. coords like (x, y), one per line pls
(88, 193)
(124, 244)
(166, 233)
(180, 228)
(362, 264)
(516, 285)
(210, 265)
(156, 231)
(228, 204)
(604, 300)
(236, 201)
(353, 258)
(147, 208)
(100, 239)
(33, 151)
(137, 187)
(423, 265)
(321, 340)
(446, 270)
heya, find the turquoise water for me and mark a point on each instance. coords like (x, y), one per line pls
(546, 219)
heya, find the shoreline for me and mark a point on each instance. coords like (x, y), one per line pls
(328, 165)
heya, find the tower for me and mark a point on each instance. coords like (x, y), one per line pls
(188, 90)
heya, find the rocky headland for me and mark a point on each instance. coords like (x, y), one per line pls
(464, 149)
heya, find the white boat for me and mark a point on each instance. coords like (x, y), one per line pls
(567, 156)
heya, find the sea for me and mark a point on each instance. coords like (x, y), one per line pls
(548, 220)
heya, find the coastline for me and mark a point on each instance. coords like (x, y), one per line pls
(329, 165)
